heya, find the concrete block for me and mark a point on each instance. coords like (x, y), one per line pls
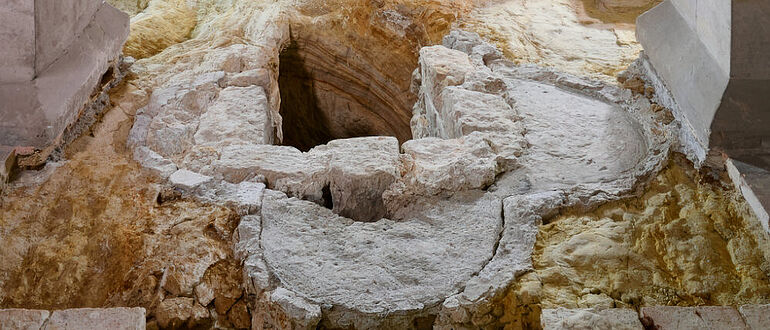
(754, 183)
(58, 24)
(712, 57)
(17, 33)
(85, 37)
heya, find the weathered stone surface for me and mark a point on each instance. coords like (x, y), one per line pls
(26, 319)
(433, 166)
(612, 318)
(284, 168)
(702, 317)
(98, 318)
(285, 309)
(238, 116)
(360, 170)
(756, 316)
(154, 162)
(174, 312)
(563, 34)
(360, 268)
(187, 180)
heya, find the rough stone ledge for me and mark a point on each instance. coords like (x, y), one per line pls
(123, 318)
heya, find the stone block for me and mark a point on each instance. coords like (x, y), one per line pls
(188, 180)
(589, 318)
(756, 316)
(22, 319)
(695, 318)
(360, 169)
(122, 318)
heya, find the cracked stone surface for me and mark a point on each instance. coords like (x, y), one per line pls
(388, 215)
(380, 237)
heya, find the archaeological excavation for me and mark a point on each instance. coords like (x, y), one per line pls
(392, 164)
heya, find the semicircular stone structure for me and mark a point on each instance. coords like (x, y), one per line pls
(365, 232)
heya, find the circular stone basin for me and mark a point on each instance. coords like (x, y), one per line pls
(382, 267)
(429, 237)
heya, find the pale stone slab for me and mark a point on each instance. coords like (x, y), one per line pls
(188, 180)
(589, 318)
(692, 318)
(22, 319)
(122, 318)
(756, 316)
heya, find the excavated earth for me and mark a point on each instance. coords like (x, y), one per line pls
(378, 164)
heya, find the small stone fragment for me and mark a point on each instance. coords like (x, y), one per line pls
(188, 180)
(174, 312)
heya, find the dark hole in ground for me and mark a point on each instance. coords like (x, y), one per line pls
(327, 96)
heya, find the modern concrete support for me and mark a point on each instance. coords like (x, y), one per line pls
(710, 63)
(54, 56)
(713, 55)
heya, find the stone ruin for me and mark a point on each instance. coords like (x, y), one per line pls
(371, 203)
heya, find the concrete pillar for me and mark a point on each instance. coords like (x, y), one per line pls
(714, 58)
(53, 56)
